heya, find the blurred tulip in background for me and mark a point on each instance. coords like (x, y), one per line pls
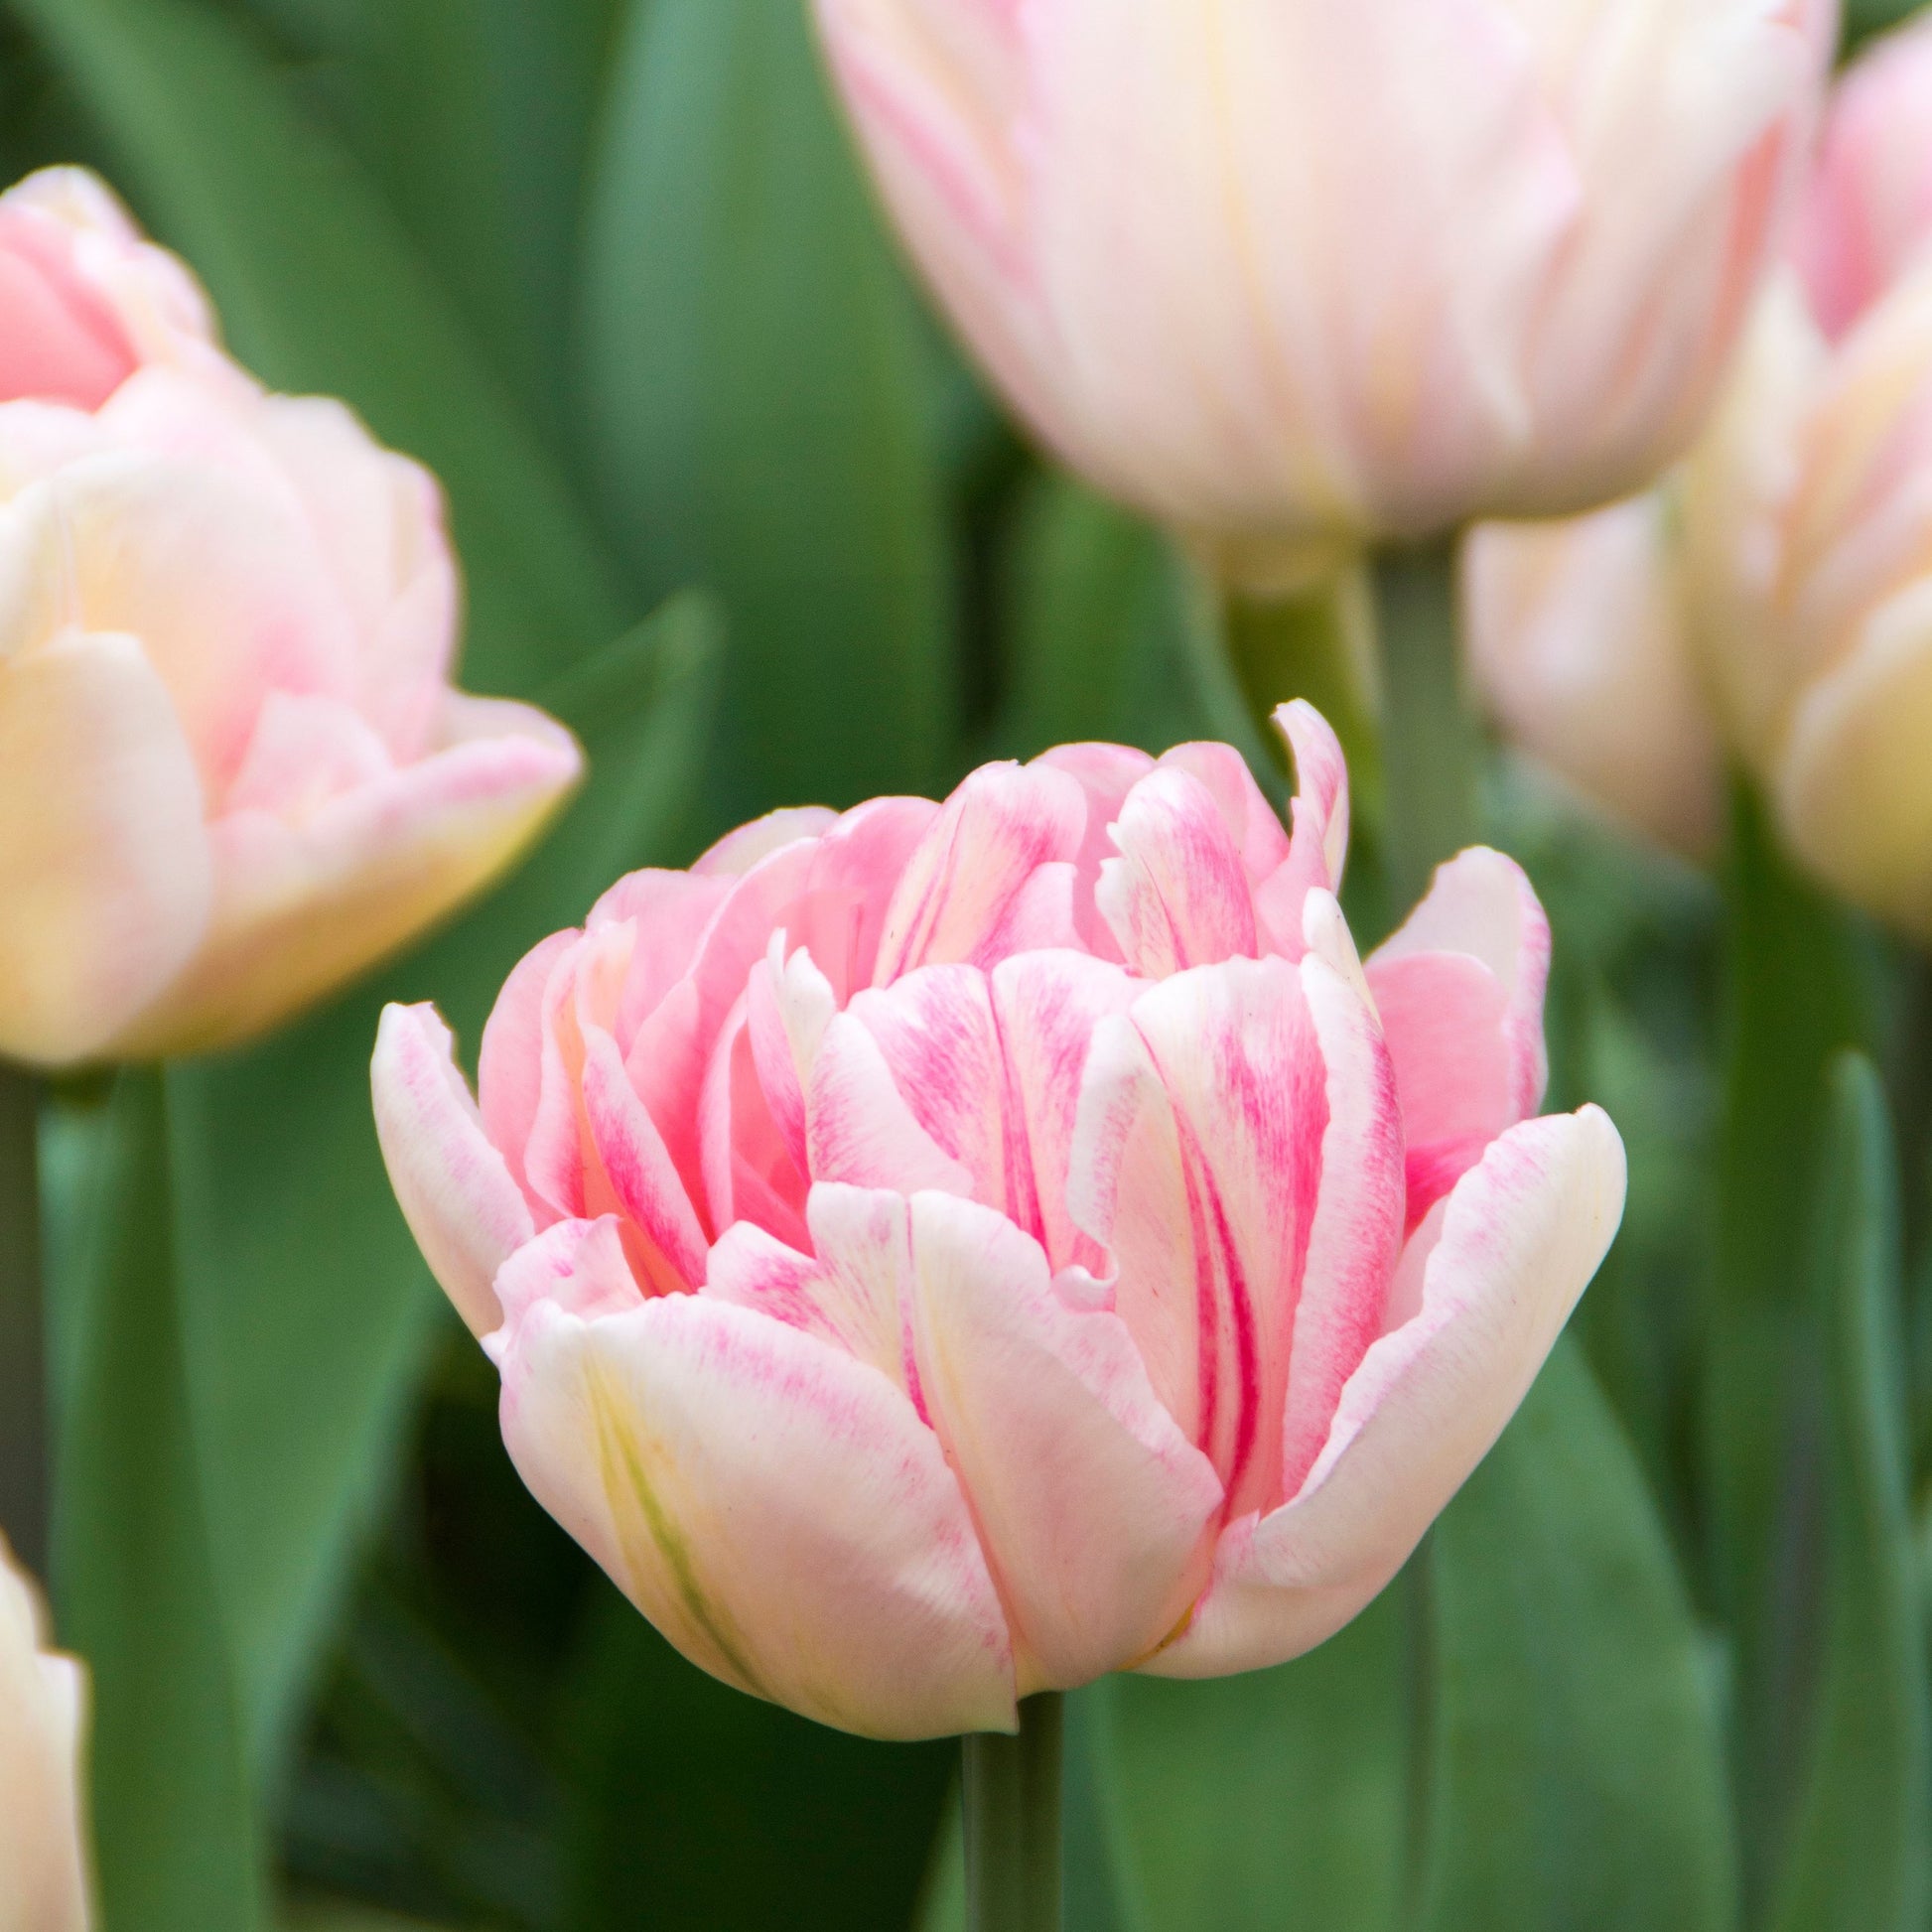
(946, 1252)
(42, 1710)
(1304, 274)
(1780, 585)
(234, 773)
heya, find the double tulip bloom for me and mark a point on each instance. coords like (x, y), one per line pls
(1306, 272)
(1785, 572)
(233, 769)
(945, 1252)
(42, 1700)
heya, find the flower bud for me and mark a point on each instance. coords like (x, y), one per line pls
(233, 769)
(1299, 272)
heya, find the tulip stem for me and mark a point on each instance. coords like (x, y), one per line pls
(22, 1354)
(1011, 1788)
(1432, 741)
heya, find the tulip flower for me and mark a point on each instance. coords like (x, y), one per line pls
(1785, 574)
(42, 1862)
(1579, 643)
(233, 769)
(1296, 273)
(941, 1253)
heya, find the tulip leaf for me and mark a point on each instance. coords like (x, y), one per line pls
(134, 1572)
(320, 289)
(1798, 993)
(760, 408)
(1860, 1845)
(305, 1302)
(1246, 1803)
(1573, 1757)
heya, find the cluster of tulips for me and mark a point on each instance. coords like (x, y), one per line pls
(943, 1253)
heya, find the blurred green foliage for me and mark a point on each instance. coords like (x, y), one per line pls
(609, 268)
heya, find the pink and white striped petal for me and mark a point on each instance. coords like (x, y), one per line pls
(1095, 1512)
(773, 1507)
(1318, 845)
(1178, 894)
(456, 1191)
(1514, 1247)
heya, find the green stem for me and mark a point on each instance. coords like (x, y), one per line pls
(23, 1352)
(1431, 743)
(1011, 1792)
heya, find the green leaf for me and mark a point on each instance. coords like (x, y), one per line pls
(756, 399)
(133, 1571)
(1246, 1803)
(1860, 1860)
(305, 1302)
(1864, 18)
(320, 289)
(1798, 994)
(1576, 1771)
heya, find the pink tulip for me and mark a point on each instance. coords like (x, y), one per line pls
(1303, 271)
(233, 769)
(944, 1251)
(1866, 215)
(85, 299)
(1579, 640)
(43, 1699)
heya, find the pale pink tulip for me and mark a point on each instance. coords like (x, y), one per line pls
(43, 1701)
(1867, 214)
(85, 299)
(233, 769)
(1299, 271)
(948, 1251)
(1579, 641)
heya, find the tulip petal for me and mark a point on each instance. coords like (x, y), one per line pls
(1198, 1161)
(304, 903)
(857, 1125)
(1522, 1235)
(1318, 846)
(1460, 991)
(1106, 774)
(43, 1702)
(1177, 895)
(456, 1191)
(1001, 825)
(1094, 1510)
(509, 1063)
(105, 871)
(1252, 822)
(774, 1507)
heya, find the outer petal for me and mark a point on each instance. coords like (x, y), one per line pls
(509, 1063)
(1001, 825)
(1094, 1510)
(456, 1191)
(106, 875)
(774, 1507)
(1178, 893)
(1480, 907)
(43, 1698)
(304, 904)
(1318, 846)
(1524, 1232)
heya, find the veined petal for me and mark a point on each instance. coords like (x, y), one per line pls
(1197, 1160)
(456, 1191)
(1177, 895)
(859, 1128)
(1095, 1512)
(1252, 822)
(1001, 825)
(773, 1507)
(1522, 1235)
